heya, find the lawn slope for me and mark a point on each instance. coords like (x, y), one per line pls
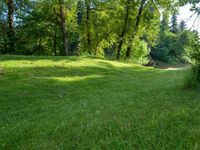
(90, 103)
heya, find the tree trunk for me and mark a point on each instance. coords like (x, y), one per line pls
(39, 46)
(4, 37)
(55, 43)
(137, 23)
(122, 36)
(88, 34)
(63, 27)
(11, 32)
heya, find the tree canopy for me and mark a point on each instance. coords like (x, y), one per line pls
(118, 29)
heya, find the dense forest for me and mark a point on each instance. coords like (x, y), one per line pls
(119, 29)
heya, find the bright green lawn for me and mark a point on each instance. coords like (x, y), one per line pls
(86, 103)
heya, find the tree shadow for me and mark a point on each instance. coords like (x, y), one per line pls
(106, 75)
(55, 102)
(37, 58)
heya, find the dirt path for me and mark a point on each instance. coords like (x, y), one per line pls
(173, 67)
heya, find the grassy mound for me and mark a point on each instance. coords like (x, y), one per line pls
(89, 103)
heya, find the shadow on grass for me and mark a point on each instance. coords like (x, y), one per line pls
(105, 68)
(105, 76)
(36, 58)
(55, 105)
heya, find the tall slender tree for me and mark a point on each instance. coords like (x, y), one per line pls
(164, 25)
(63, 26)
(136, 27)
(182, 25)
(11, 32)
(124, 30)
(174, 23)
(88, 33)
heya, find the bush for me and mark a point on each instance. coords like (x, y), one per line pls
(185, 60)
(140, 52)
(193, 78)
(167, 48)
(195, 54)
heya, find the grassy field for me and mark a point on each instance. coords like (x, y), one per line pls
(88, 103)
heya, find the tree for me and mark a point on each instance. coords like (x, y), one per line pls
(182, 26)
(153, 10)
(63, 26)
(3, 28)
(124, 30)
(11, 32)
(136, 27)
(88, 26)
(164, 26)
(80, 11)
(194, 79)
(71, 27)
(174, 23)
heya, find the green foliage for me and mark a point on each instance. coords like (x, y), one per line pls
(140, 52)
(92, 26)
(194, 49)
(182, 26)
(99, 28)
(167, 49)
(164, 25)
(174, 23)
(192, 79)
(173, 45)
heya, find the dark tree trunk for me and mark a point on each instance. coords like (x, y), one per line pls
(122, 36)
(63, 27)
(11, 32)
(55, 43)
(137, 23)
(39, 47)
(88, 34)
(4, 37)
(80, 10)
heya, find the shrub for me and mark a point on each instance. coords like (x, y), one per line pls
(193, 78)
(140, 52)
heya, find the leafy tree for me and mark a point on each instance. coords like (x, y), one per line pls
(174, 23)
(182, 26)
(153, 8)
(3, 28)
(114, 28)
(193, 47)
(164, 26)
(172, 46)
(11, 32)
(125, 28)
(63, 26)
(165, 48)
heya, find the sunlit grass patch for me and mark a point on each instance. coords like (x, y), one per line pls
(91, 103)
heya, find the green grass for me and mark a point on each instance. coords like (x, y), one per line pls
(89, 103)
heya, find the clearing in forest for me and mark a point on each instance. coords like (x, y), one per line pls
(90, 103)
